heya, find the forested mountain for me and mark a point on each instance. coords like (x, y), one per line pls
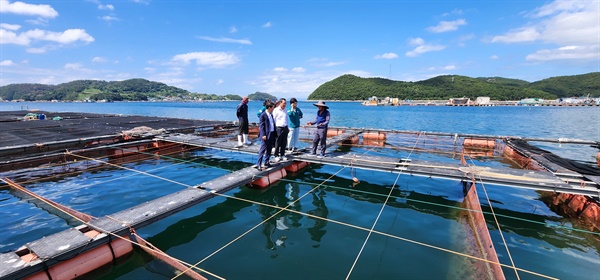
(346, 87)
(131, 90)
(350, 87)
(261, 96)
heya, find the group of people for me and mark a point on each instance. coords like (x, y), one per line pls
(280, 129)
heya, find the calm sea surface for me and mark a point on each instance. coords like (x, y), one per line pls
(423, 215)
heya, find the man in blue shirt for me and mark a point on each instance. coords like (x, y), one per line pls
(322, 121)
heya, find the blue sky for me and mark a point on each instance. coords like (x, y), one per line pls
(289, 48)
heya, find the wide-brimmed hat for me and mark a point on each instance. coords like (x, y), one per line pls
(321, 103)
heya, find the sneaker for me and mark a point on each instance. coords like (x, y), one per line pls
(284, 159)
(320, 156)
(277, 159)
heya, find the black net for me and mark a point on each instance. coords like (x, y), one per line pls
(580, 168)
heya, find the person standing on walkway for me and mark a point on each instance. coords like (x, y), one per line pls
(294, 115)
(263, 108)
(242, 115)
(266, 128)
(281, 126)
(322, 121)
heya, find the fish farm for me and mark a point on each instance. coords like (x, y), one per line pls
(180, 198)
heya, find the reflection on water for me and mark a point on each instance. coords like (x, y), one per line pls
(421, 209)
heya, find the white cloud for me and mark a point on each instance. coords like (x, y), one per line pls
(585, 53)
(9, 37)
(557, 7)
(464, 38)
(21, 8)
(209, 59)
(11, 27)
(445, 68)
(280, 69)
(25, 38)
(525, 34)
(7, 63)
(454, 12)
(298, 70)
(220, 81)
(109, 18)
(36, 50)
(494, 57)
(106, 7)
(386, 56)
(233, 29)
(296, 84)
(559, 22)
(99, 59)
(73, 66)
(324, 62)
(38, 21)
(445, 26)
(68, 36)
(422, 47)
(267, 25)
(416, 41)
(571, 26)
(226, 40)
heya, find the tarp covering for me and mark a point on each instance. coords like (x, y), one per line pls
(566, 163)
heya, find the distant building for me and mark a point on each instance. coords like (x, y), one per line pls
(482, 100)
(460, 101)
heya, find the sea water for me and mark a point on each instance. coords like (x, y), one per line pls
(421, 220)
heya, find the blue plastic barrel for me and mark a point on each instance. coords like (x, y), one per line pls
(42, 117)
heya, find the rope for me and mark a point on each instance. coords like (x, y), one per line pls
(376, 220)
(261, 223)
(381, 233)
(371, 230)
(81, 217)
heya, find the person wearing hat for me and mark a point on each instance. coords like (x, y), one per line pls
(322, 121)
(242, 115)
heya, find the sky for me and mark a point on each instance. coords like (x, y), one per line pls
(288, 48)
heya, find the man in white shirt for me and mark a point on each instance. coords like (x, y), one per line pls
(281, 126)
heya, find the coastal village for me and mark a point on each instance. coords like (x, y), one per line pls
(483, 101)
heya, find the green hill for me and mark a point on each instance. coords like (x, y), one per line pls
(130, 90)
(350, 87)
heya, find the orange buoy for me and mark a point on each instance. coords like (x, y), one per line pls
(84, 263)
(334, 132)
(374, 136)
(269, 178)
(297, 165)
(598, 159)
(481, 143)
